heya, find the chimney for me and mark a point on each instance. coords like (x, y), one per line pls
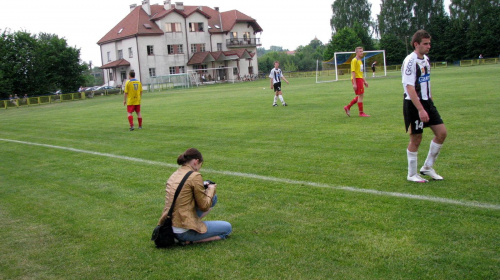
(179, 6)
(217, 9)
(146, 7)
(200, 8)
(167, 5)
(132, 7)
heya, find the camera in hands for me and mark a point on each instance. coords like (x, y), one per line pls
(208, 182)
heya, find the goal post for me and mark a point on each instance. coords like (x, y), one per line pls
(339, 66)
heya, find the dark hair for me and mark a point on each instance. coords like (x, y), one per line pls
(132, 74)
(418, 36)
(188, 155)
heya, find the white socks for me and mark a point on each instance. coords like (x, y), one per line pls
(412, 162)
(429, 162)
(275, 99)
(281, 99)
(433, 154)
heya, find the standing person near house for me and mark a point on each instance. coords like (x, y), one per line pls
(358, 83)
(418, 108)
(132, 98)
(275, 76)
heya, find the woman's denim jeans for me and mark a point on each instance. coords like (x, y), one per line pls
(214, 228)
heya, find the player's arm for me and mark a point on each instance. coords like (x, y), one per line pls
(285, 79)
(422, 114)
(353, 80)
(271, 82)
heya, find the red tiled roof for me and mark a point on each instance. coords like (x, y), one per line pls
(134, 23)
(230, 18)
(204, 57)
(131, 25)
(116, 63)
(200, 57)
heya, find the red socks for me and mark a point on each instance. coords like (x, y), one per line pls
(131, 120)
(360, 107)
(353, 101)
(140, 121)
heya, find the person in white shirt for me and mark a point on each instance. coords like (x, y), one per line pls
(418, 108)
(276, 75)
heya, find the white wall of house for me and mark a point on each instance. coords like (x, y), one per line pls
(161, 60)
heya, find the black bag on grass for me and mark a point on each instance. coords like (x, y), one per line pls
(163, 235)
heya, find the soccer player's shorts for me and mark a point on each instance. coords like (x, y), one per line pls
(412, 119)
(133, 108)
(361, 86)
(277, 87)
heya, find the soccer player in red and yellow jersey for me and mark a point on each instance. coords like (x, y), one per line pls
(133, 94)
(358, 83)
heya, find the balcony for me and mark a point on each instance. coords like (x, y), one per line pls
(243, 42)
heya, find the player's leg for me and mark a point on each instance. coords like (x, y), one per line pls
(416, 128)
(280, 95)
(275, 99)
(139, 116)
(434, 149)
(360, 92)
(130, 109)
(412, 154)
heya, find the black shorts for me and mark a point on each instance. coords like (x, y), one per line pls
(412, 119)
(277, 87)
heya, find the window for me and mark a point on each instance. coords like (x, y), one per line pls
(152, 72)
(109, 56)
(130, 53)
(219, 47)
(172, 27)
(175, 49)
(197, 48)
(246, 35)
(120, 54)
(111, 76)
(176, 70)
(150, 50)
(196, 27)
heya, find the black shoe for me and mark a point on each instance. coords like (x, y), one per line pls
(275, 105)
(132, 128)
(284, 104)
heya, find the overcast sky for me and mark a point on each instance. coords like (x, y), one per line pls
(286, 23)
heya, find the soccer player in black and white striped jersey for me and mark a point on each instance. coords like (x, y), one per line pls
(418, 108)
(276, 75)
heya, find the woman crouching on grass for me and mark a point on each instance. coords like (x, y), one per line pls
(193, 203)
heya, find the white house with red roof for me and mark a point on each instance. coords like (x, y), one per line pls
(158, 40)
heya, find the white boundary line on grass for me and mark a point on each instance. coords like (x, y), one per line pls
(279, 180)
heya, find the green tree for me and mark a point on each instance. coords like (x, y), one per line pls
(40, 64)
(478, 21)
(395, 49)
(345, 40)
(395, 18)
(348, 12)
(424, 11)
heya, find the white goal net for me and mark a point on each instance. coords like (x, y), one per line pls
(339, 67)
(213, 75)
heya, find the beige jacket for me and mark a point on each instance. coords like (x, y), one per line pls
(192, 196)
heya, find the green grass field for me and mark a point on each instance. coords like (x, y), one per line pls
(311, 193)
